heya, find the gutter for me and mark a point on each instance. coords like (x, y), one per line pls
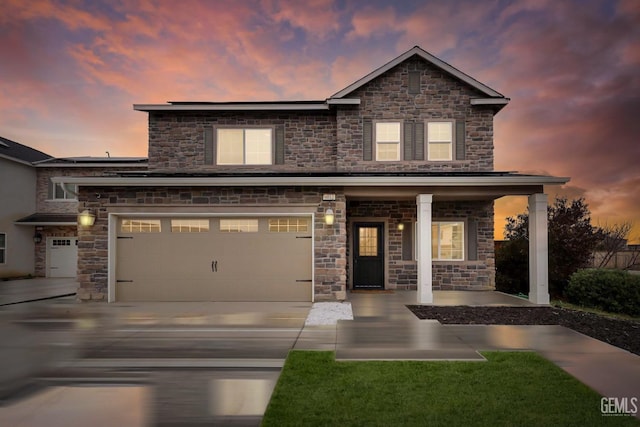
(264, 181)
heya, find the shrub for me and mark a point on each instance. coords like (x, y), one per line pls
(609, 290)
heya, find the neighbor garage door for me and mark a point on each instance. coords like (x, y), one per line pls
(214, 259)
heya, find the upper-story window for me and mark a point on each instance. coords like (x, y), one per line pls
(440, 140)
(251, 146)
(387, 137)
(57, 193)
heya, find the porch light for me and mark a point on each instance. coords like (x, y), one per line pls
(401, 226)
(329, 217)
(86, 218)
(37, 238)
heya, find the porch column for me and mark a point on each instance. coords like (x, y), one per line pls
(425, 275)
(538, 250)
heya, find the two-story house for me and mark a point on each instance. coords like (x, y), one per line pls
(387, 184)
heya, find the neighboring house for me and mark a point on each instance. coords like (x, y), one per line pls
(38, 219)
(387, 184)
(54, 219)
(17, 199)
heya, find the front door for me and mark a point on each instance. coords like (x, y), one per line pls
(368, 255)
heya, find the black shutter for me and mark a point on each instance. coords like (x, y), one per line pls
(50, 190)
(408, 140)
(407, 242)
(472, 240)
(414, 82)
(279, 145)
(367, 140)
(460, 140)
(418, 142)
(208, 146)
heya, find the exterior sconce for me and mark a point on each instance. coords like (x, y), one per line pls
(329, 217)
(86, 218)
(401, 226)
(37, 238)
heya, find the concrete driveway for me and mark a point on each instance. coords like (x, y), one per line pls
(151, 363)
(24, 290)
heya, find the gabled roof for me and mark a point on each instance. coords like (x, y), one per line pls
(20, 153)
(429, 58)
(492, 97)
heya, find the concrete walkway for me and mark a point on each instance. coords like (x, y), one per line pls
(25, 290)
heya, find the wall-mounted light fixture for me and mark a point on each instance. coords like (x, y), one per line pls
(86, 218)
(37, 238)
(401, 226)
(329, 217)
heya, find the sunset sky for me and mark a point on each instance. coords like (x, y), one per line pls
(71, 70)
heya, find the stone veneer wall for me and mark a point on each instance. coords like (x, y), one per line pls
(400, 274)
(472, 275)
(46, 205)
(441, 97)
(330, 241)
(176, 140)
(447, 275)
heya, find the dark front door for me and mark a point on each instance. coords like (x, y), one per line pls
(368, 255)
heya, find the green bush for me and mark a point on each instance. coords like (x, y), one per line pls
(609, 290)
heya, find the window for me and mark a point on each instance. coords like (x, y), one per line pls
(189, 225)
(244, 146)
(239, 225)
(387, 141)
(288, 225)
(447, 241)
(3, 247)
(57, 193)
(368, 241)
(140, 226)
(440, 140)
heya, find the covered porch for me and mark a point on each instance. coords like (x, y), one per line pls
(437, 238)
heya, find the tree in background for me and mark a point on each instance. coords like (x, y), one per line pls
(572, 240)
(614, 242)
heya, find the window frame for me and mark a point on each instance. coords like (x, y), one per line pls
(55, 187)
(463, 223)
(451, 143)
(241, 225)
(189, 225)
(376, 143)
(3, 248)
(272, 143)
(139, 226)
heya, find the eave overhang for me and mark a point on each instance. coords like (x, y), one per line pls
(240, 106)
(46, 219)
(305, 180)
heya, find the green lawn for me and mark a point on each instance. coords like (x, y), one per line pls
(522, 389)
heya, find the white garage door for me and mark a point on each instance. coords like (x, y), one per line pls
(62, 256)
(214, 259)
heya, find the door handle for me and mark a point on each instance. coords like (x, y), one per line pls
(214, 266)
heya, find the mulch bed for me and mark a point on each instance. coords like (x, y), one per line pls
(621, 333)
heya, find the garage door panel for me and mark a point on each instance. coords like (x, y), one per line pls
(275, 274)
(154, 268)
(214, 265)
